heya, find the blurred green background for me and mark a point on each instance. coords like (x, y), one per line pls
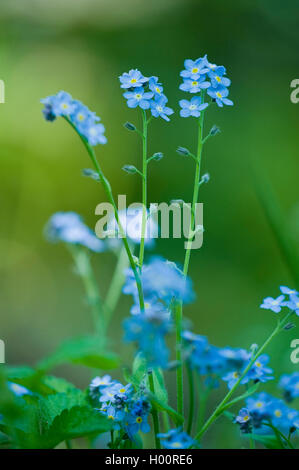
(82, 47)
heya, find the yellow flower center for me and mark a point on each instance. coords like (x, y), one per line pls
(258, 364)
(122, 390)
(160, 109)
(158, 90)
(259, 404)
(278, 413)
(138, 96)
(218, 94)
(111, 417)
(195, 70)
(194, 83)
(246, 418)
(64, 105)
(81, 117)
(192, 106)
(235, 375)
(146, 305)
(176, 444)
(133, 80)
(218, 79)
(139, 420)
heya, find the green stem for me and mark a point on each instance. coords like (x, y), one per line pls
(154, 411)
(251, 442)
(203, 394)
(195, 191)
(85, 271)
(179, 313)
(221, 405)
(144, 187)
(116, 285)
(108, 191)
(112, 439)
(68, 444)
(179, 372)
(191, 400)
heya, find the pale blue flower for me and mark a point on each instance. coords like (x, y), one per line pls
(132, 79)
(158, 108)
(155, 86)
(290, 385)
(194, 68)
(138, 97)
(293, 303)
(68, 227)
(195, 86)
(176, 439)
(273, 304)
(219, 94)
(192, 107)
(287, 291)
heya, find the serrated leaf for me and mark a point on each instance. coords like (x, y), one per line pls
(76, 422)
(53, 405)
(86, 350)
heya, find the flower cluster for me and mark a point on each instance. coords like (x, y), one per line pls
(290, 386)
(276, 304)
(176, 439)
(148, 331)
(199, 75)
(128, 410)
(85, 121)
(131, 221)
(162, 280)
(146, 93)
(68, 227)
(225, 363)
(262, 409)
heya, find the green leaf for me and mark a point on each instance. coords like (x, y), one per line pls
(79, 421)
(177, 418)
(85, 350)
(270, 442)
(139, 369)
(249, 392)
(53, 405)
(160, 389)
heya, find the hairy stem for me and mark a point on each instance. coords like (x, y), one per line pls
(179, 313)
(108, 191)
(144, 187)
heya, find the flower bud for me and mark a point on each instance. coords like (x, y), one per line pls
(157, 156)
(183, 151)
(90, 174)
(129, 126)
(214, 130)
(131, 169)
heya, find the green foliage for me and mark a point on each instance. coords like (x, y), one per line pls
(86, 350)
(43, 421)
